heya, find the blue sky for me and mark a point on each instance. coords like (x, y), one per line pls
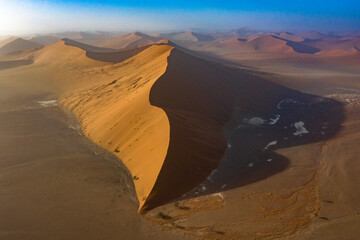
(30, 16)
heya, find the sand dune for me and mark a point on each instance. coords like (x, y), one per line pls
(129, 40)
(268, 43)
(16, 44)
(107, 54)
(14, 63)
(60, 53)
(44, 40)
(117, 115)
(181, 36)
(123, 122)
(337, 52)
(162, 122)
(191, 36)
(173, 118)
(130, 110)
(314, 35)
(290, 37)
(86, 47)
(343, 44)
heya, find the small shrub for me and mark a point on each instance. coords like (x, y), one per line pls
(135, 177)
(161, 215)
(176, 204)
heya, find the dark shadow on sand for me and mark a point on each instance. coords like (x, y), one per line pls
(106, 54)
(203, 100)
(14, 63)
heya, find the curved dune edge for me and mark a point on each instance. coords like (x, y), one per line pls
(116, 114)
(161, 112)
(129, 114)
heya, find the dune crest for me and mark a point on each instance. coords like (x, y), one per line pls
(116, 114)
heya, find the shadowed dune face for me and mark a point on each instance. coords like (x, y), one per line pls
(352, 44)
(212, 112)
(116, 56)
(270, 43)
(14, 63)
(86, 47)
(44, 40)
(197, 105)
(291, 37)
(106, 54)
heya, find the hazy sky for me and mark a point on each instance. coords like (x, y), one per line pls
(39, 16)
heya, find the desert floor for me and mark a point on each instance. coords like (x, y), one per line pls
(55, 184)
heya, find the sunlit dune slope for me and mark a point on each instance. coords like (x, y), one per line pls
(116, 114)
(64, 54)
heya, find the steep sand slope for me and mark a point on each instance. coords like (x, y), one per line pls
(54, 184)
(117, 115)
(16, 44)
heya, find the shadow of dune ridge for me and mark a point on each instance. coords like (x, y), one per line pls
(107, 54)
(15, 63)
(300, 47)
(213, 111)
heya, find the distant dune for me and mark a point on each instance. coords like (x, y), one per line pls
(314, 35)
(16, 44)
(337, 52)
(291, 37)
(352, 44)
(268, 43)
(190, 36)
(123, 41)
(44, 40)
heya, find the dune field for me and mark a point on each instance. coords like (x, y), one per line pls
(183, 135)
